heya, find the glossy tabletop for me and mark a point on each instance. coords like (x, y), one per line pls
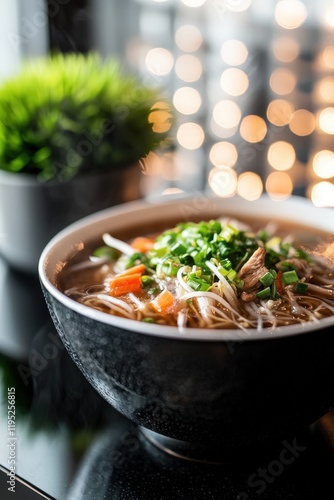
(65, 442)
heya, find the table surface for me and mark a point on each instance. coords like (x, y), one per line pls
(70, 444)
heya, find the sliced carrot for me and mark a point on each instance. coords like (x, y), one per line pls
(278, 282)
(120, 285)
(142, 244)
(162, 302)
(139, 268)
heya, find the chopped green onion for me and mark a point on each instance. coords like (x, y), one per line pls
(289, 277)
(226, 264)
(186, 259)
(228, 232)
(239, 283)
(216, 226)
(178, 249)
(242, 261)
(285, 247)
(195, 274)
(267, 279)
(106, 252)
(262, 235)
(170, 267)
(136, 258)
(198, 284)
(301, 254)
(147, 280)
(274, 294)
(274, 243)
(264, 294)
(148, 320)
(273, 272)
(223, 271)
(286, 266)
(301, 287)
(231, 275)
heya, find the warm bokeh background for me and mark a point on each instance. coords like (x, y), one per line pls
(252, 83)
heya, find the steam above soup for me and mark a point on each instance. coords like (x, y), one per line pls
(219, 274)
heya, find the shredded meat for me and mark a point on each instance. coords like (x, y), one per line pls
(251, 272)
(322, 270)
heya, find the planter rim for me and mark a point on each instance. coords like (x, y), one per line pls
(24, 179)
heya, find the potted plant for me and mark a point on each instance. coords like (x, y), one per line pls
(73, 129)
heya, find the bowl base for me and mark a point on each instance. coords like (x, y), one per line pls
(209, 454)
(194, 452)
(182, 449)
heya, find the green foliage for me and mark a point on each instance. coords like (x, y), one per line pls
(71, 114)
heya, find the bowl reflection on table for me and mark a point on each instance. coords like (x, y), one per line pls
(204, 391)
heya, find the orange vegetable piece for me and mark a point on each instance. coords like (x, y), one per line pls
(142, 244)
(162, 302)
(139, 268)
(120, 285)
(278, 282)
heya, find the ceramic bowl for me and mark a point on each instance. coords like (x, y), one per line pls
(202, 392)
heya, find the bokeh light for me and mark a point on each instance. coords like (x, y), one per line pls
(226, 114)
(234, 81)
(326, 120)
(187, 100)
(289, 103)
(159, 61)
(282, 81)
(237, 5)
(324, 90)
(160, 117)
(290, 14)
(328, 56)
(323, 164)
(250, 186)
(172, 191)
(193, 3)
(329, 16)
(279, 186)
(234, 52)
(281, 155)
(253, 128)
(223, 181)
(322, 194)
(223, 133)
(286, 49)
(188, 38)
(302, 122)
(279, 112)
(190, 135)
(188, 68)
(151, 164)
(223, 153)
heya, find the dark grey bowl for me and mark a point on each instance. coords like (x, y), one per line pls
(201, 392)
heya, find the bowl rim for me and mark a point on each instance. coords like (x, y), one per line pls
(189, 334)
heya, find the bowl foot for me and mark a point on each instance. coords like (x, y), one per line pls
(185, 450)
(207, 453)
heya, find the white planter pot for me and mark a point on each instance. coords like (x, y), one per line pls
(31, 212)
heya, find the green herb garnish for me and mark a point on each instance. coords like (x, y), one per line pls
(289, 277)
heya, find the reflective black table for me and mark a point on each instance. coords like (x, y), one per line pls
(65, 442)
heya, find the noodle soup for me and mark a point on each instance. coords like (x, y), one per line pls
(218, 273)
